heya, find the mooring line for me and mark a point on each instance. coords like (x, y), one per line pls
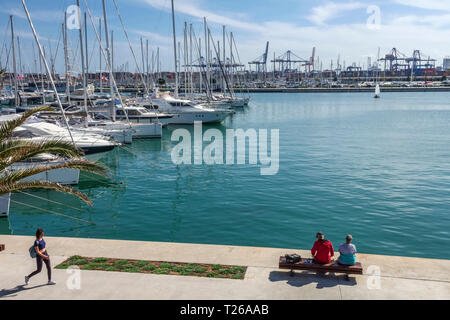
(52, 212)
(128, 150)
(56, 202)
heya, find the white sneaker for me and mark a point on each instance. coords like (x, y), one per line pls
(51, 283)
(27, 279)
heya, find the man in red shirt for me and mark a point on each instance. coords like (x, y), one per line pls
(322, 250)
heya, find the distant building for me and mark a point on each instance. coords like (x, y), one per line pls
(446, 64)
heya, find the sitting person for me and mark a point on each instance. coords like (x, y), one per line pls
(322, 250)
(347, 252)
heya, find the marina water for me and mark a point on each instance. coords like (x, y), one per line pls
(375, 168)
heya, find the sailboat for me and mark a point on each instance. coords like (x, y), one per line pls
(377, 92)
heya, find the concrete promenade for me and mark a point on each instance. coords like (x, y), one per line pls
(399, 278)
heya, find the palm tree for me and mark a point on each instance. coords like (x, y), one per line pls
(15, 150)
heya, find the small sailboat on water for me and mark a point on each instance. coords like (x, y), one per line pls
(377, 92)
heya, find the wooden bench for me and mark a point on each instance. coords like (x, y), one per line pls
(332, 266)
(2, 247)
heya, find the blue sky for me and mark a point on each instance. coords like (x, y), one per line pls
(335, 28)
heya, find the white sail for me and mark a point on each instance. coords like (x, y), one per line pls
(377, 90)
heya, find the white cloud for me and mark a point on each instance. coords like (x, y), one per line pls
(436, 21)
(353, 42)
(192, 8)
(426, 4)
(39, 15)
(155, 37)
(319, 15)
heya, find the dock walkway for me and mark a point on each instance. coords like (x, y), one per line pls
(384, 277)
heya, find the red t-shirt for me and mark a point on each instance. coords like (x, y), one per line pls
(322, 251)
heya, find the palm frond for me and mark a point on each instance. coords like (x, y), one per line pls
(19, 186)
(7, 127)
(80, 164)
(15, 151)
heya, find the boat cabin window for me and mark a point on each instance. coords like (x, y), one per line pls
(179, 104)
(133, 112)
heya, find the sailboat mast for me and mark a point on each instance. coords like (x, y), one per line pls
(143, 61)
(83, 70)
(100, 53)
(175, 49)
(66, 57)
(112, 51)
(224, 57)
(231, 60)
(16, 100)
(191, 85)
(207, 54)
(111, 89)
(86, 44)
(185, 58)
(41, 52)
(200, 90)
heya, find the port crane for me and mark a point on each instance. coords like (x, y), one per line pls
(309, 66)
(288, 60)
(417, 62)
(396, 60)
(261, 61)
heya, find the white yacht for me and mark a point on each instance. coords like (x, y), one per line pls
(184, 111)
(65, 176)
(91, 143)
(78, 94)
(143, 123)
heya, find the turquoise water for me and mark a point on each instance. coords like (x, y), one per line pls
(377, 169)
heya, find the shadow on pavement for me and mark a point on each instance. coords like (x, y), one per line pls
(13, 292)
(300, 279)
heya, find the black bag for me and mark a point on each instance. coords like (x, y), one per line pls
(293, 258)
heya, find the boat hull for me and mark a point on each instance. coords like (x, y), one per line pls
(205, 117)
(5, 200)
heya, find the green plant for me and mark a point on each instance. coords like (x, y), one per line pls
(237, 269)
(237, 276)
(200, 269)
(141, 264)
(178, 269)
(99, 260)
(165, 265)
(129, 268)
(162, 271)
(121, 262)
(95, 265)
(80, 262)
(149, 267)
(225, 271)
(213, 275)
(111, 268)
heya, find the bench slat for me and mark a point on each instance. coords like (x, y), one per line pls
(308, 264)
